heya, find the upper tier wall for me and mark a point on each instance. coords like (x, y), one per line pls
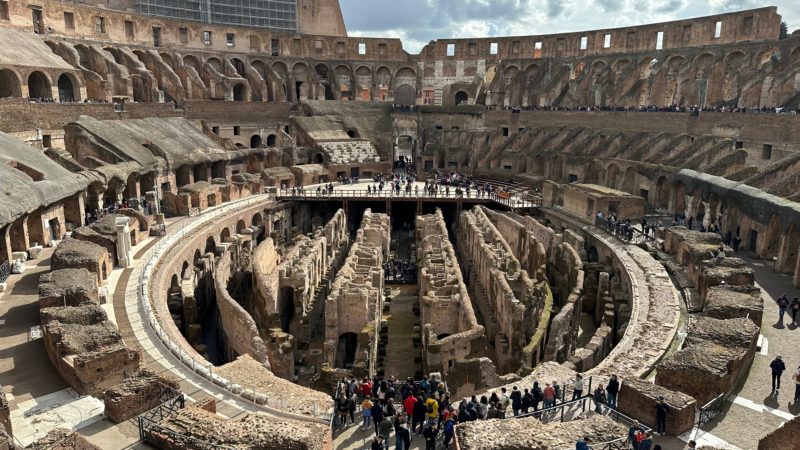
(134, 29)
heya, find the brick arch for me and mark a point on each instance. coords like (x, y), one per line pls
(39, 85)
(10, 83)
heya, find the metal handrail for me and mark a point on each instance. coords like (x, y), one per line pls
(5, 272)
(311, 193)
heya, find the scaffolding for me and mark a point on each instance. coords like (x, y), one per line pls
(272, 14)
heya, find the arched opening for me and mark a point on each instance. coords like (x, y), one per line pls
(353, 134)
(184, 267)
(787, 260)
(255, 141)
(196, 257)
(662, 193)
(215, 63)
(225, 235)
(772, 237)
(591, 255)
(257, 221)
(272, 140)
(612, 176)
(39, 86)
(318, 158)
(346, 351)
(238, 65)
(679, 201)
(211, 245)
(439, 337)
(286, 307)
(9, 84)
(405, 95)
(461, 98)
(183, 175)
(241, 227)
(239, 93)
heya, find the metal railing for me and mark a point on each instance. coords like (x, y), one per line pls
(5, 271)
(514, 201)
(629, 234)
(203, 368)
(707, 413)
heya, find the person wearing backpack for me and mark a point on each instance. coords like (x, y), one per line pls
(783, 303)
(431, 410)
(537, 394)
(449, 431)
(418, 418)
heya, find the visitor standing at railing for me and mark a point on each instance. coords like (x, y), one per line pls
(612, 390)
(577, 387)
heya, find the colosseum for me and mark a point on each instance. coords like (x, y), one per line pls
(231, 225)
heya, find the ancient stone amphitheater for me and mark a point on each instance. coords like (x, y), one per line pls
(205, 227)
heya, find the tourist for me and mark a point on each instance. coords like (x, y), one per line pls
(797, 386)
(418, 418)
(737, 241)
(402, 440)
(583, 444)
(577, 387)
(431, 409)
(385, 429)
(493, 412)
(647, 442)
(390, 409)
(351, 407)
(516, 400)
(449, 431)
(342, 408)
(557, 389)
(783, 303)
(599, 397)
(794, 308)
(777, 367)
(377, 443)
(632, 431)
(408, 403)
(430, 436)
(377, 414)
(483, 407)
(366, 412)
(662, 408)
(549, 395)
(537, 394)
(527, 401)
(612, 389)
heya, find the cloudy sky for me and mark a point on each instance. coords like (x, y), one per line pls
(418, 22)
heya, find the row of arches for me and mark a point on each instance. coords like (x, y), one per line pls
(39, 86)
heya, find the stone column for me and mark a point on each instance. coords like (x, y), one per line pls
(706, 214)
(124, 256)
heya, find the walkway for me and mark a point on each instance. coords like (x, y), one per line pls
(400, 350)
(359, 192)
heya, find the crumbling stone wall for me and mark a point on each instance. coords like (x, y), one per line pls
(136, 394)
(251, 430)
(86, 348)
(73, 253)
(67, 287)
(637, 398)
(451, 330)
(715, 355)
(785, 436)
(513, 305)
(355, 302)
(62, 439)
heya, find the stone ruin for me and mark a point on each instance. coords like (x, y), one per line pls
(86, 348)
(74, 253)
(68, 287)
(138, 393)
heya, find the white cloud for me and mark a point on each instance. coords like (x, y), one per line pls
(417, 22)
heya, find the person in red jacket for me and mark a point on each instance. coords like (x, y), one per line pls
(408, 405)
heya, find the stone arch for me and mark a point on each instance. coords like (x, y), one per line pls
(211, 245)
(197, 256)
(346, 350)
(794, 55)
(679, 198)
(67, 91)
(216, 63)
(255, 141)
(168, 59)
(260, 67)
(538, 165)
(281, 68)
(39, 85)
(257, 220)
(790, 246)
(405, 95)
(771, 237)
(732, 64)
(460, 98)
(240, 92)
(319, 159)
(238, 65)
(629, 181)
(556, 169)
(184, 267)
(225, 235)
(405, 75)
(272, 140)
(194, 62)
(364, 82)
(620, 66)
(613, 176)
(10, 84)
(241, 226)
(591, 174)
(301, 81)
(763, 57)
(383, 76)
(662, 193)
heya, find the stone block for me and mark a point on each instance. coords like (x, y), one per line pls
(136, 394)
(729, 302)
(637, 398)
(35, 251)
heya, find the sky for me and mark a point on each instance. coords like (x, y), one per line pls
(417, 22)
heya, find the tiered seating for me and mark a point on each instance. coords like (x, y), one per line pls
(348, 152)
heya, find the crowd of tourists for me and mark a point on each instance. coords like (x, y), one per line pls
(625, 229)
(424, 409)
(397, 271)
